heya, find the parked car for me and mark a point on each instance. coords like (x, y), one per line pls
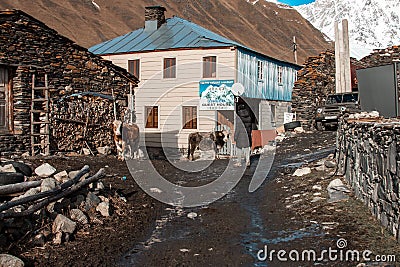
(335, 105)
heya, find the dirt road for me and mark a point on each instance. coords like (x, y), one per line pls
(236, 230)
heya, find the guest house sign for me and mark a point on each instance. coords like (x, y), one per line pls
(216, 95)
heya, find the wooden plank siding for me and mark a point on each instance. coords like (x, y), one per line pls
(267, 87)
(171, 94)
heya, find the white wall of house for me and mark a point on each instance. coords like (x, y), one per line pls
(170, 94)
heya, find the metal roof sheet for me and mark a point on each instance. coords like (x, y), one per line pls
(175, 33)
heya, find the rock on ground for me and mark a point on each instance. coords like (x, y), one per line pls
(330, 164)
(302, 171)
(78, 216)
(7, 260)
(7, 168)
(63, 224)
(61, 176)
(337, 191)
(91, 201)
(104, 209)
(105, 150)
(48, 184)
(45, 170)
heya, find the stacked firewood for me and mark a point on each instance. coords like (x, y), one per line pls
(82, 122)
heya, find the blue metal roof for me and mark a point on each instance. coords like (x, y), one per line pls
(175, 33)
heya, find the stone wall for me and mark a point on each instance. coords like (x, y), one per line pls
(30, 47)
(316, 80)
(382, 56)
(369, 156)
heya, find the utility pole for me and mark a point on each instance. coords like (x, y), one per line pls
(295, 49)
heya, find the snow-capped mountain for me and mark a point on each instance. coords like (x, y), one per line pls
(218, 94)
(372, 23)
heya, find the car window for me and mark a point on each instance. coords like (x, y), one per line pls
(333, 99)
(350, 98)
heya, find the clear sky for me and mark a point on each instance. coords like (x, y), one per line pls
(295, 2)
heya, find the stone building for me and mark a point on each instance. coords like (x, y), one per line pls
(54, 94)
(316, 80)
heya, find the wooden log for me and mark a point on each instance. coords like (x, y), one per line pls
(18, 187)
(45, 194)
(43, 203)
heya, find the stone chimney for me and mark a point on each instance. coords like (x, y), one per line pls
(154, 17)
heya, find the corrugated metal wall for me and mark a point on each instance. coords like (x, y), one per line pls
(267, 87)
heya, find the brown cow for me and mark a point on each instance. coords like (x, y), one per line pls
(126, 138)
(218, 139)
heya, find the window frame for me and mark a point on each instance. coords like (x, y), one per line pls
(169, 72)
(146, 116)
(194, 117)
(260, 70)
(273, 113)
(209, 67)
(136, 67)
(280, 75)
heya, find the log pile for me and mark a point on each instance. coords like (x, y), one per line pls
(84, 122)
(64, 202)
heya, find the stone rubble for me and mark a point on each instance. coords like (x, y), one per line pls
(69, 214)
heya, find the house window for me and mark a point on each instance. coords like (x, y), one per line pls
(189, 115)
(260, 70)
(134, 67)
(151, 117)
(280, 74)
(273, 113)
(210, 67)
(169, 67)
(3, 99)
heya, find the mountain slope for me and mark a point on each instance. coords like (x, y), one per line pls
(263, 26)
(372, 23)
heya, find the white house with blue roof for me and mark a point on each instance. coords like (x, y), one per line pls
(186, 74)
